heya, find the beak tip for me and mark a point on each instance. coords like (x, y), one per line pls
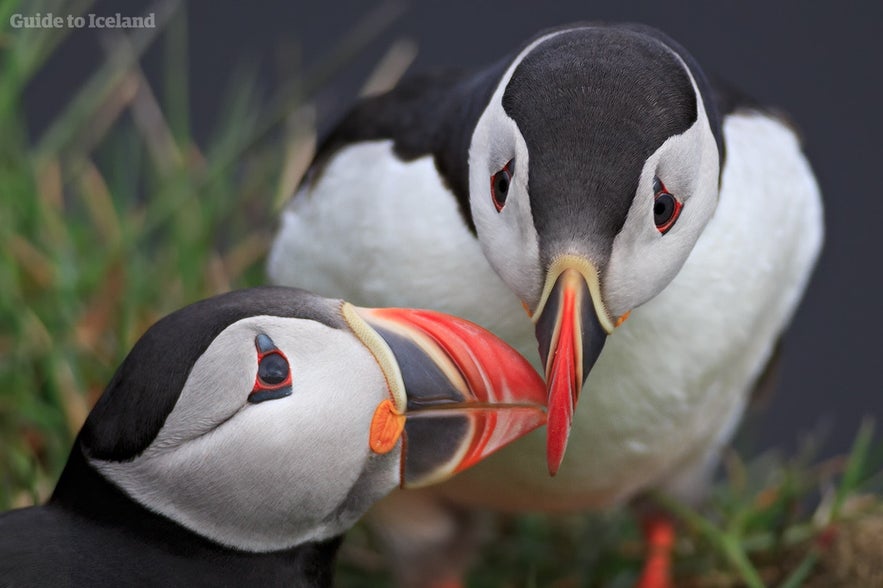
(555, 448)
(570, 336)
(563, 393)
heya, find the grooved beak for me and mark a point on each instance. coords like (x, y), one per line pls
(461, 392)
(572, 325)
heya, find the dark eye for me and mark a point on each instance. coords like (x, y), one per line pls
(273, 379)
(273, 369)
(500, 183)
(666, 208)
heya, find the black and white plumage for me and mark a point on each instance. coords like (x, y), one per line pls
(245, 433)
(592, 175)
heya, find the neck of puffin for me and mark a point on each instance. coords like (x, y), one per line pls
(161, 542)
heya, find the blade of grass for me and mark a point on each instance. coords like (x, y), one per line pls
(73, 402)
(291, 98)
(83, 106)
(231, 146)
(727, 545)
(802, 572)
(239, 118)
(794, 535)
(176, 87)
(103, 119)
(31, 47)
(299, 150)
(353, 43)
(391, 68)
(151, 123)
(855, 467)
(39, 266)
(103, 216)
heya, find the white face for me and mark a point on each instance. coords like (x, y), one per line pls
(508, 236)
(271, 474)
(642, 259)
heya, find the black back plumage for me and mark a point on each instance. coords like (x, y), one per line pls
(429, 114)
(92, 534)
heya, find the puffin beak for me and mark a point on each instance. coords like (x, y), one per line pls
(458, 392)
(572, 325)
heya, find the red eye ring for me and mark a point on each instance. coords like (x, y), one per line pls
(666, 208)
(273, 377)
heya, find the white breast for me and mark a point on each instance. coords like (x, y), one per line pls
(671, 383)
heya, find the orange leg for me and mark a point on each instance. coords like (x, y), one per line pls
(659, 535)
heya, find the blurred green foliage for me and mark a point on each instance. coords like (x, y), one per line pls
(110, 218)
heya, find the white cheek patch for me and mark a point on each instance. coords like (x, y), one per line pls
(215, 390)
(643, 261)
(508, 238)
(278, 473)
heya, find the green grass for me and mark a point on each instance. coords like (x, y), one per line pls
(111, 218)
(115, 215)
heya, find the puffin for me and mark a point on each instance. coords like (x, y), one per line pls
(244, 434)
(656, 226)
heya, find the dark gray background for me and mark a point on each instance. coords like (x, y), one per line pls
(819, 61)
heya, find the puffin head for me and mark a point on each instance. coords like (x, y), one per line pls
(593, 170)
(266, 418)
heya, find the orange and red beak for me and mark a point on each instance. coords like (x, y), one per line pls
(572, 325)
(459, 393)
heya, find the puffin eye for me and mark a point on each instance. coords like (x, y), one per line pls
(666, 208)
(273, 379)
(273, 369)
(500, 183)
